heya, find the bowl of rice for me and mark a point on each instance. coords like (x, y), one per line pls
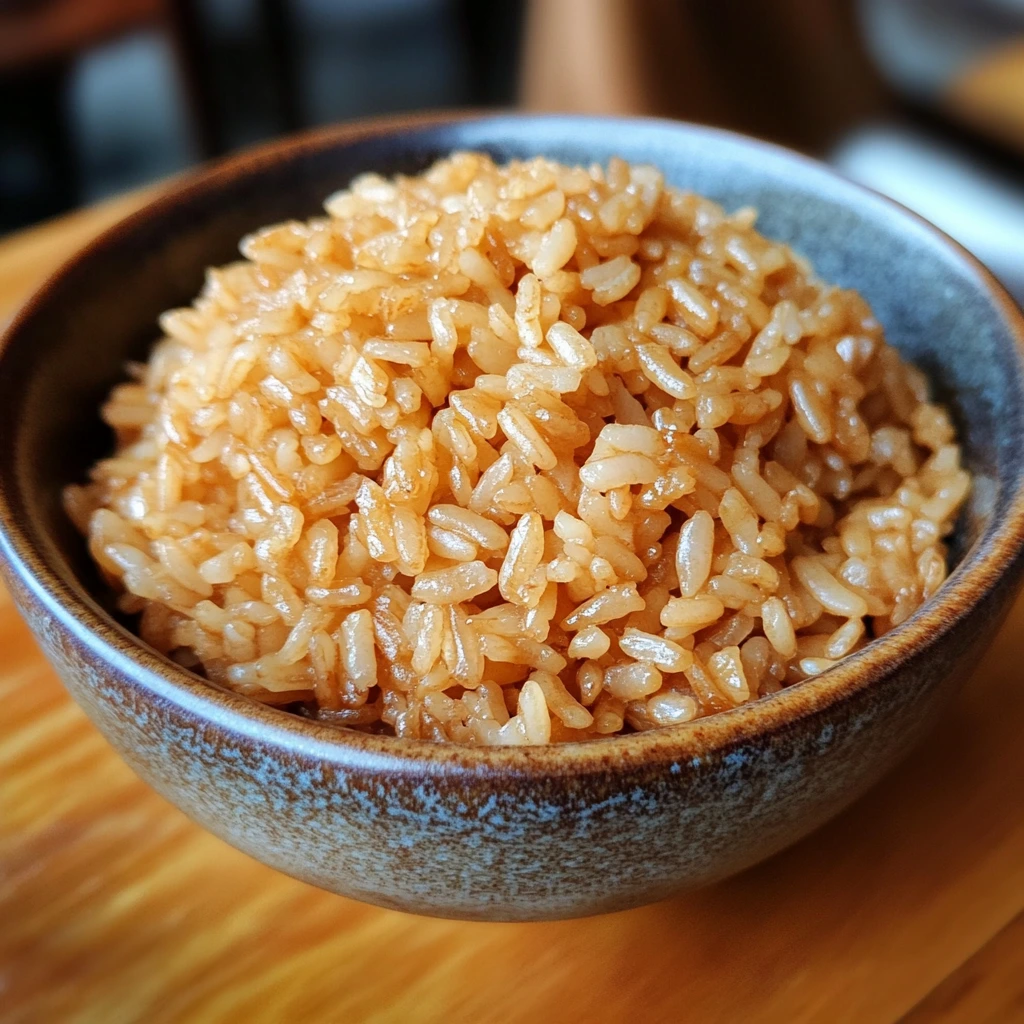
(514, 517)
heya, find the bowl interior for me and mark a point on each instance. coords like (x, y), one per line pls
(70, 346)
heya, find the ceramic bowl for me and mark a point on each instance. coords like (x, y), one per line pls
(522, 833)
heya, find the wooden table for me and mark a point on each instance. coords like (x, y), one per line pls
(115, 907)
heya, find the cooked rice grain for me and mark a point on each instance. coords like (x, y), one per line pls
(516, 455)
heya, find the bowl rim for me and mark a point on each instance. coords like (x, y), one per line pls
(78, 613)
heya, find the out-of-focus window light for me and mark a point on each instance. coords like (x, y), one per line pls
(981, 208)
(963, 62)
(128, 115)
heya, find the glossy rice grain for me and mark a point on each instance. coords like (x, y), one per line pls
(511, 455)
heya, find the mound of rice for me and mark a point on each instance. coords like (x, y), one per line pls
(516, 455)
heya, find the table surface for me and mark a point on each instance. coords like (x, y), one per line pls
(115, 907)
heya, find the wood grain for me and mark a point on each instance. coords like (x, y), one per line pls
(987, 989)
(114, 907)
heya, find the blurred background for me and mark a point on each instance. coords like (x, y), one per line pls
(920, 99)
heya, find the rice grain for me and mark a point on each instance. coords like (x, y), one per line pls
(520, 454)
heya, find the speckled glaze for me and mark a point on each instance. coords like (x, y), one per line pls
(527, 833)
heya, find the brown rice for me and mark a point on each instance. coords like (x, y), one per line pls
(518, 454)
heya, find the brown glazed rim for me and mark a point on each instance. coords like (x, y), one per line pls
(247, 719)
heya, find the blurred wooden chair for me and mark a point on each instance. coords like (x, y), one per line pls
(39, 42)
(796, 71)
(790, 70)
